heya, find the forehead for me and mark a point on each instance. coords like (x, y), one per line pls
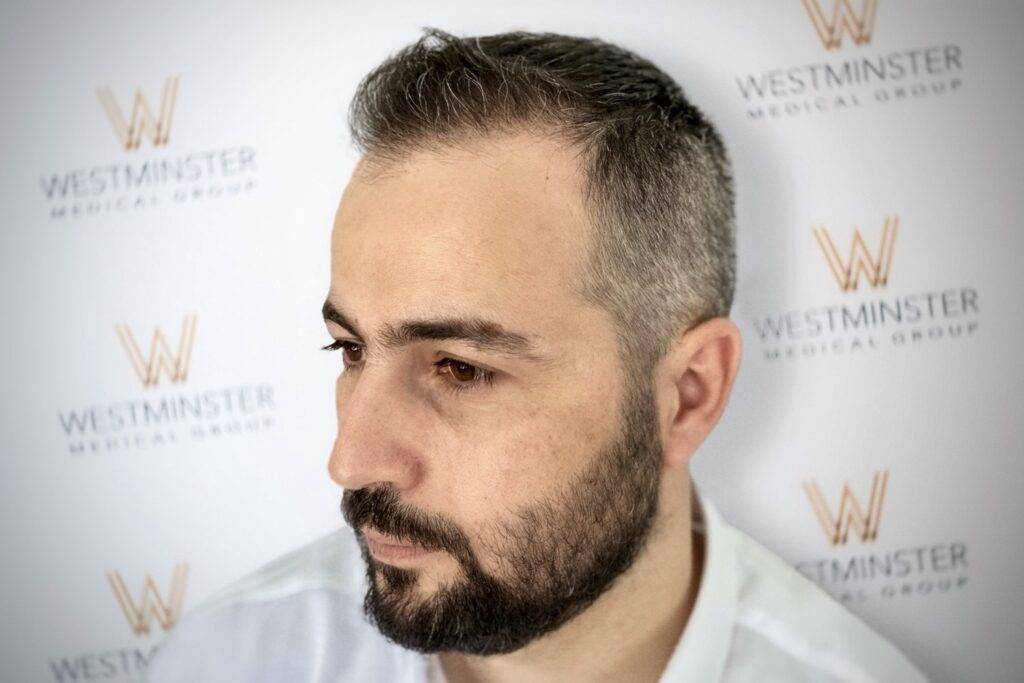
(495, 226)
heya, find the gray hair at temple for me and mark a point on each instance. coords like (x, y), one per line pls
(657, 178)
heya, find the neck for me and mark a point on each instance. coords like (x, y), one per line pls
(629, 632)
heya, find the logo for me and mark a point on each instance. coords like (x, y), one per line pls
(844, 19)
(152, 605)
(922, 568)
(142, 121)
(160, 359)
(874, 319)
(850, 513)
(860, 262)
(845, 81)
(151, 417)
(147, 173)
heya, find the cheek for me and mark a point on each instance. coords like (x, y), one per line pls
(525, 464)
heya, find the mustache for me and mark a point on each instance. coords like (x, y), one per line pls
(380, 508)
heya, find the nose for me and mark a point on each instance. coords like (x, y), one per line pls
(371, 446)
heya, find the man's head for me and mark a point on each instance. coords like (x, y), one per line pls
(530, 271)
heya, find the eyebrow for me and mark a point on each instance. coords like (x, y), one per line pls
(480, 333)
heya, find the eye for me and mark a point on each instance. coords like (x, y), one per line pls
(348, 349)
(464, 376)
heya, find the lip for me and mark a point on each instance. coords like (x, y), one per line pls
(390, 550)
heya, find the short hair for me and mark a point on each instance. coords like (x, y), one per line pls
(656, 176)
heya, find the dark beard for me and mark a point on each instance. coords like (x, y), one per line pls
(557, 555)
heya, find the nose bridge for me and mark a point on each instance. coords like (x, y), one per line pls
(369, 447)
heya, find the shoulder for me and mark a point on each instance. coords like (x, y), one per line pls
(786, 624)
(296, 618)
(330, 562)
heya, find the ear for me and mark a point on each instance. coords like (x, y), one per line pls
(693, 382)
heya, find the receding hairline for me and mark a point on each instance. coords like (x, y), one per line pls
(656, 178)
(383, 162)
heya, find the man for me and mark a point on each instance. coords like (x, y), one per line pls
(531, 272)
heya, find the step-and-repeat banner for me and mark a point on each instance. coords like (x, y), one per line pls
(169, 176)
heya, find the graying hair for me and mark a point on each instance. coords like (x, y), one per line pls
(656, 175)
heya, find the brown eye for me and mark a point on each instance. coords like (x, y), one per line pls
(463, 376)
(463, 372)
(348, 350)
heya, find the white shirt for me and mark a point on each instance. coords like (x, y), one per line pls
(300, 618)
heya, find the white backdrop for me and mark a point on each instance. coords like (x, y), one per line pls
(138, 478)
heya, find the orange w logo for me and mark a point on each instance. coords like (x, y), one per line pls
(850, 513)
(860, 260)
(844, 20)
(142, 121)
(161, 359)
(152, 606)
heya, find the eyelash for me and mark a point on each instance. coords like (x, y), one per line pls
(485, 377)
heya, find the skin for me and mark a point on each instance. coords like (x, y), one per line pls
(496, 228)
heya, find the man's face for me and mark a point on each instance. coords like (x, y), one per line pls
(500, 471)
